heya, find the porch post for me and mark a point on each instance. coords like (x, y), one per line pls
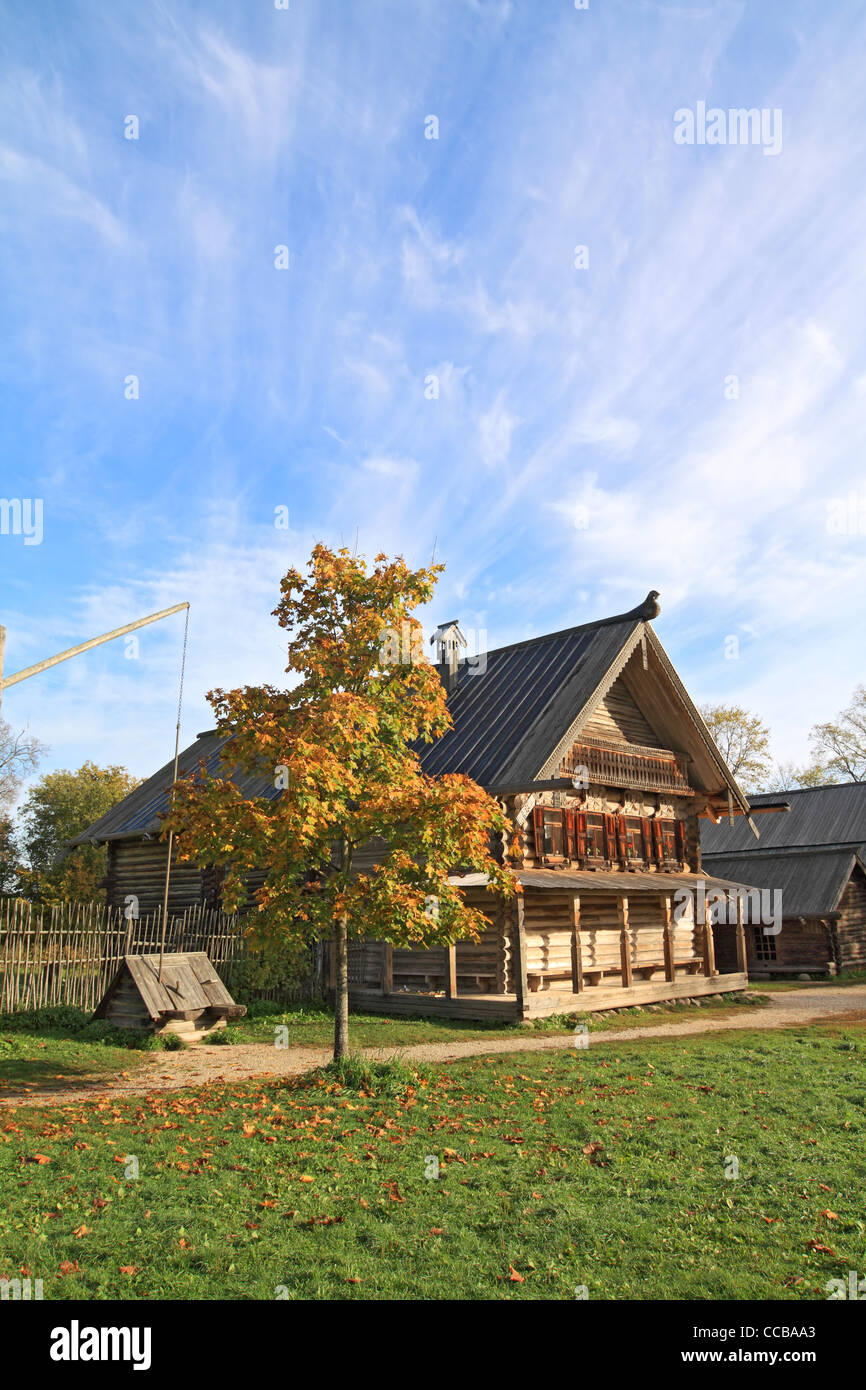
(742, 959)
(709, 946)
(450, 972)
(576, 960)
(624, 943)
(387, 968)
(518, 950)
(670, 968)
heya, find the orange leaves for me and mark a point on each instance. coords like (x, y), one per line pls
(69, 1267)
(514, 1277)
(340, 750)
(128, 1269)
(81, 1231)
(39, 1158)
(819, 1248)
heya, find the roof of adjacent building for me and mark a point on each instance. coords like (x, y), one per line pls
(819, 816)
(810, 881)
(139, 813)
(514, 711)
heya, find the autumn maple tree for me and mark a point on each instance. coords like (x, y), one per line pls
(341, 747)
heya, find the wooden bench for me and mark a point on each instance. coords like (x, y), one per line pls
(693, 964)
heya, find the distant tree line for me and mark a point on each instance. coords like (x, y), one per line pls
(35, 860)
(838, 748)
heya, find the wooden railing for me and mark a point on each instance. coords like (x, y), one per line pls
(645, 769)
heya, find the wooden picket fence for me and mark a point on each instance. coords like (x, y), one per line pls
(68, 954)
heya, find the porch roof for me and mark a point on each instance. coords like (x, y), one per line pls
(588, 880)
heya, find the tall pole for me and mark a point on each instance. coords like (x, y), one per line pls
(171, 803)
(95, 642)
(6, 681)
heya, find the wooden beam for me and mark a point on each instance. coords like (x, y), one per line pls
(742, 963)
(670, 970)
(518, 949)
(624, 941)
(576, 958)
(709, 946)
(387, 968)
(450, 972)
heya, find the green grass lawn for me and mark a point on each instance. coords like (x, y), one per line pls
(604, 1169)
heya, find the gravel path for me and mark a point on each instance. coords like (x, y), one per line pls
(169, 1071)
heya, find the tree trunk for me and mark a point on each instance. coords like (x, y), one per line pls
(341, 989)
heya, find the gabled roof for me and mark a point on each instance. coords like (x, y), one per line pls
(509, 708)
(811, 881)
(819, 816)
(516, 711)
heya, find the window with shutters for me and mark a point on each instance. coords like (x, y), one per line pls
(594, 836)
(633, 838)
(554, 839)
(669, 839)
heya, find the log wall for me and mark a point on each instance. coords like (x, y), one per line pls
(851, 928)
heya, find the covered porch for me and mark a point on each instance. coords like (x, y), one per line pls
(571, 941)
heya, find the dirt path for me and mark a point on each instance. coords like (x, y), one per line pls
(169, 1071)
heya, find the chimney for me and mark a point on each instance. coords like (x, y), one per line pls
(449, 639)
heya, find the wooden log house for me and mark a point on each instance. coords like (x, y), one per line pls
(136, 854)
(814, 858)
(592, 745)
(596, 752)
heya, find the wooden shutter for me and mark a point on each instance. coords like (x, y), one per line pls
(580, 819)
(568, 834)
(621, 838)
(538, 828)
(658, 842)
(609, 837)
(681, 840)
(646, 836)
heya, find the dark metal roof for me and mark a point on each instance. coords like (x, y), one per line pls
(138, 813)
(811, 881)
(510, 710)
(834, 815)
(520, 699)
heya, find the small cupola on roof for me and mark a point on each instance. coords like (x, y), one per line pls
(449, 639)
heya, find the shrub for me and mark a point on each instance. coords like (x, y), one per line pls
(224, 1036)
(276, 966)
(358, 1073)
(53, 1018)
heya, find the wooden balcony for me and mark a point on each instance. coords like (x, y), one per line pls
(629, 765)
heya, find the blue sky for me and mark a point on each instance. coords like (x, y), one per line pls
(587, 442)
